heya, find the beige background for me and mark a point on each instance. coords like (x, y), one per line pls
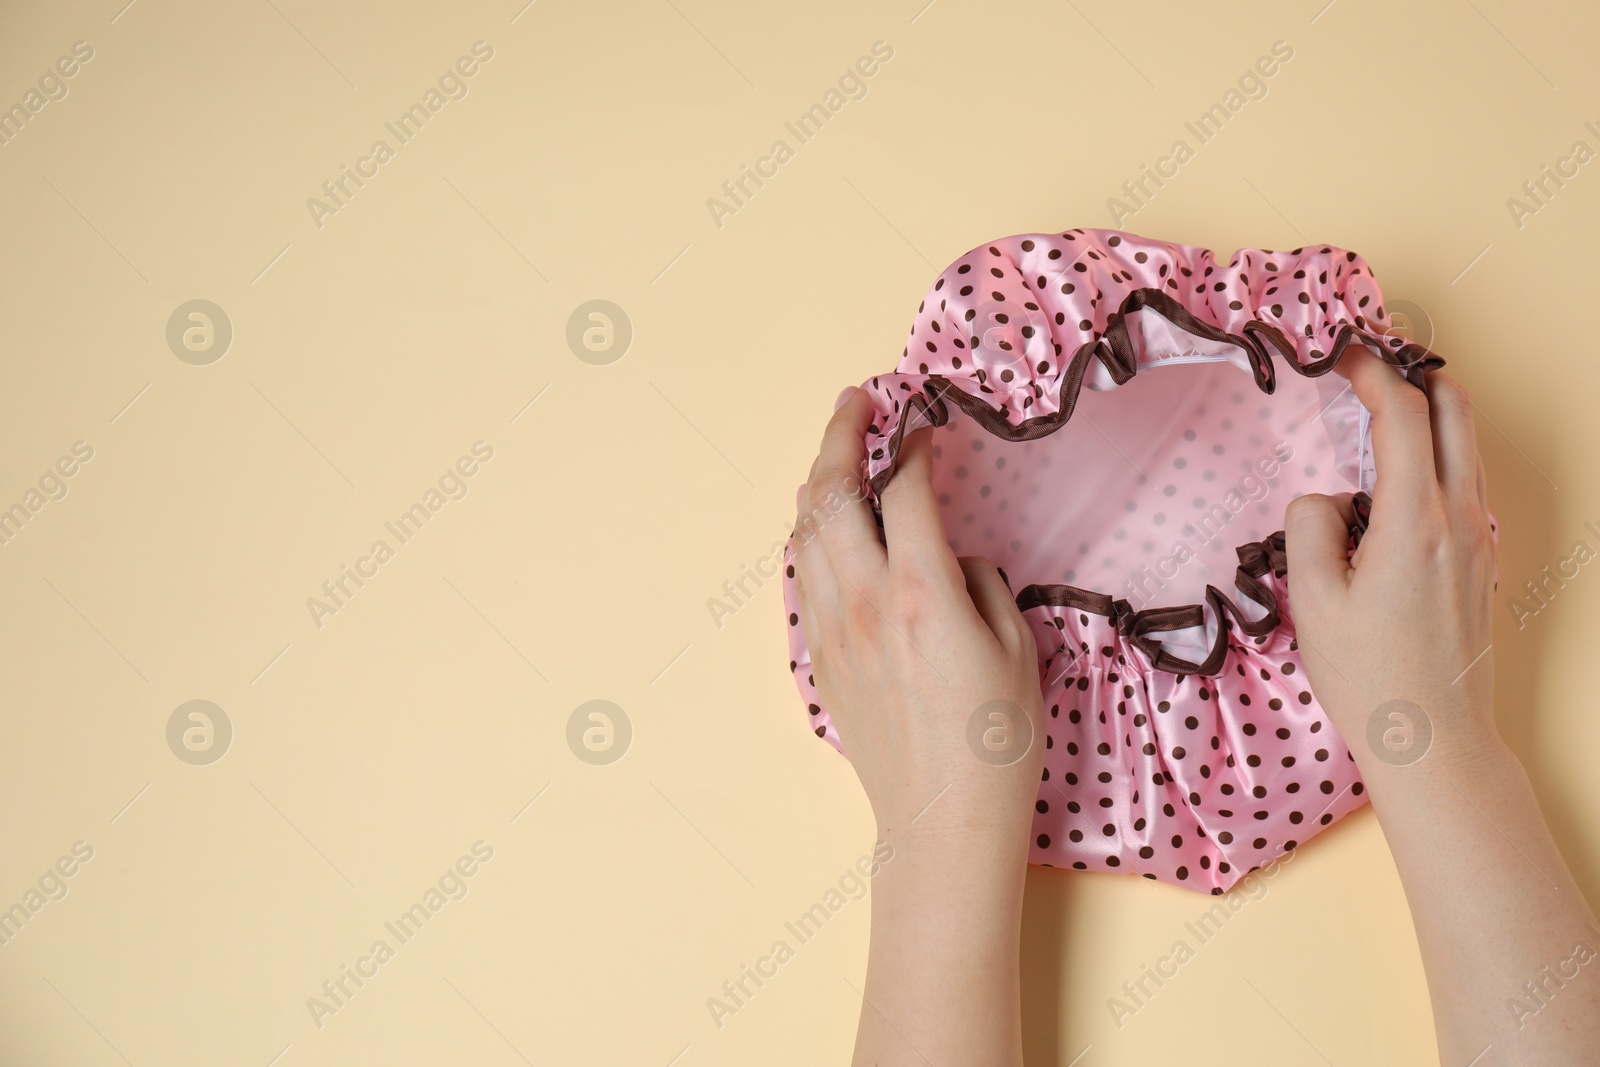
(370, 753)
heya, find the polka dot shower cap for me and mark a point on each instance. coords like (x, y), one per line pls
(1140, 526)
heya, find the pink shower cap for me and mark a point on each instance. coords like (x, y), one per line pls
(1142, 533)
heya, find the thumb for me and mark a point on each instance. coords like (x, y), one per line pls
(1316, 532)
(991, 595)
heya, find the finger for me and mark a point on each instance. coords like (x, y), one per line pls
(1455, 439)
(1402, 438)
(811, 565)
(912, 525)
(992, 599)
(820, 638)
(837, 505)
(810, 625)
(1316, 532)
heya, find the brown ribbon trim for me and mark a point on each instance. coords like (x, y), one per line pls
(1256, 558)
(1115, 350)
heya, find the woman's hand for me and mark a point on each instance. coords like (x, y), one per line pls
(1396, 642)
(909, 644)
(1401, 631)
(909, 648)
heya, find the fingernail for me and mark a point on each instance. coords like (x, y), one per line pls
(844, 397)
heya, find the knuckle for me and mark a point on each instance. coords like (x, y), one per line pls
(1432, 527)
(1477, 541)
(923, 611)
(976, 567)
(833, 484)
(1478, 546)
(921, 578)
(1304, 509)
(1022, 641)
(914, 598)
(897, 486)
(863, 620)
(1409, 401)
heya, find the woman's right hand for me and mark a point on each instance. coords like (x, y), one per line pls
(1396, 641)
(1400, 632)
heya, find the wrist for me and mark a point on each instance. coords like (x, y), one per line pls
(963, 918)
(1462, 754)
(976, 868)
(954, 835)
